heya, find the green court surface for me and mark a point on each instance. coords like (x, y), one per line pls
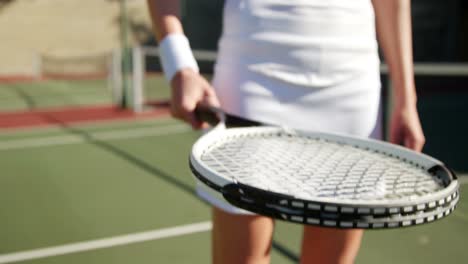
(43, 94)
(81, 186)
(53, 93)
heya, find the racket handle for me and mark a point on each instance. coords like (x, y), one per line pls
(210, 114)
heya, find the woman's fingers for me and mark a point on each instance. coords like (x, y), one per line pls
(414, 140)
(406, 129)
(188, 90)
(210, 97)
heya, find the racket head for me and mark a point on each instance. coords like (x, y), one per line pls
(218, 176)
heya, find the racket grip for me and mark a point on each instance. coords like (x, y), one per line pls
(210, 114)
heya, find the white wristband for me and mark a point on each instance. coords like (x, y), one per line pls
(175, 54)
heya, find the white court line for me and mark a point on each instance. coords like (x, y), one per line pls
(106, 242)
(74, 139)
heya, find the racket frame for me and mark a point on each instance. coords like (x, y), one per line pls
(399, 211)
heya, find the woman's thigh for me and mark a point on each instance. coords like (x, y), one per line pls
(240, 238)
(328, 245)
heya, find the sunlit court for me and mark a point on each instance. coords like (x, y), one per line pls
(94, 169)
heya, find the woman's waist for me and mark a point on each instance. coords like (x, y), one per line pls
(314, 65)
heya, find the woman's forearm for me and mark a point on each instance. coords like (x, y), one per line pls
(393, 18)
(165, 16)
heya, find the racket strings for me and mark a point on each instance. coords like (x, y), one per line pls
(307, 167)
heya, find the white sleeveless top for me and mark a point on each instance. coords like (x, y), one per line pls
(306, 64)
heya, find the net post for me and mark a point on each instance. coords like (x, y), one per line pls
(137, 79)
(126, 56)
(110, 74)
(116, 77)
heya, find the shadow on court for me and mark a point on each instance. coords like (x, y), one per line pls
(156, 172)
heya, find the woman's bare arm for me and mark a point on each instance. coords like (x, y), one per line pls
(393, 18)
(165, 16)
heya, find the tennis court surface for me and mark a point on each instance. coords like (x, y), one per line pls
(121, 192)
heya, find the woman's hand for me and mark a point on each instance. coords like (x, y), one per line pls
(405, 128)
(189, 89)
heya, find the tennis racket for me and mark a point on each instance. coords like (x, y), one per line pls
(322, 179)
